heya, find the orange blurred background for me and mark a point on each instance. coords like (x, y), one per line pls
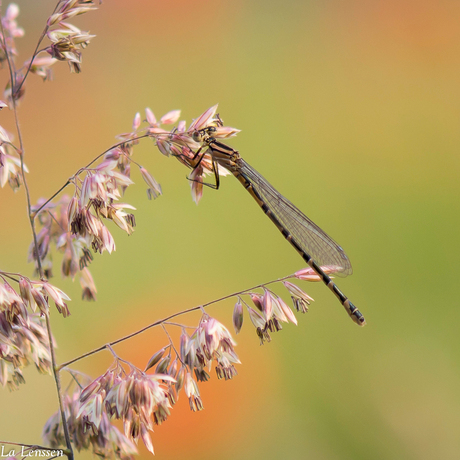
(351, 110)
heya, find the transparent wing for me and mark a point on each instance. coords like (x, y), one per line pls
(314, 241)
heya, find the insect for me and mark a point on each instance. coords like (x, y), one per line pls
(313, 244)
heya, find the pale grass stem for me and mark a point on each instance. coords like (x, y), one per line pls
(165, 320)
(69, 451)
(69, 181)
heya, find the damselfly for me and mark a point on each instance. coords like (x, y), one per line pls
(313, 244)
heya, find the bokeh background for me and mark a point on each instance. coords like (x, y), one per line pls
(351, 109)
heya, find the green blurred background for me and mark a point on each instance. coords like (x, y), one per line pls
(351, 109)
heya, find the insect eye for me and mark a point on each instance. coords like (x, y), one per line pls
(196, 136)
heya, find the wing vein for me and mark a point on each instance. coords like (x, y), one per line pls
(313, 241)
